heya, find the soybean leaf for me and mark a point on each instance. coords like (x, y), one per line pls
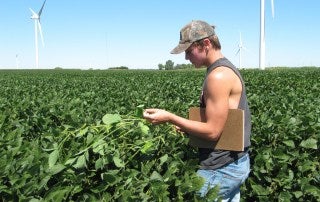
(98, 146)
(53, 157)
(260, 190)
(298, 194)
(163, 159)
(155, 176)
(111, 119)
(285, 196)
(90, 138)
(82, 132)
(58, 194)
(56, 169)
(144, 128)
(289, 143)
(109, 178)
(81, 162)
(312, 190)
(70, 161)
(139, 111)
(309, 143)
(99, 163)
(146, 147)
(118, 162)
(44, 181)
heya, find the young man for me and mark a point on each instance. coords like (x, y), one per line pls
(223, 89)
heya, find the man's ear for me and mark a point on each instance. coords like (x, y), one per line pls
(206, 42)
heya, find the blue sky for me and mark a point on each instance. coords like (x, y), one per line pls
(141, 33)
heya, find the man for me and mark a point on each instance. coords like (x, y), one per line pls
(223, 89)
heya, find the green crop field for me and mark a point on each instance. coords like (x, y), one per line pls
(72, 135)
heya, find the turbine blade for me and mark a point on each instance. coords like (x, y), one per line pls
(32, 11)
(238, 51)
(40, 31)
(41, 8)
(272, 8)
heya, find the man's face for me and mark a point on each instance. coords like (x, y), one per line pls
(196, 55)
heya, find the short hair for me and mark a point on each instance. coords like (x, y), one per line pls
(214, 40)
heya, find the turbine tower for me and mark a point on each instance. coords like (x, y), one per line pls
(17, 61)
(36, 17)
(262, 33)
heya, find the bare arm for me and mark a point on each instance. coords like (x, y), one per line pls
(219, 87)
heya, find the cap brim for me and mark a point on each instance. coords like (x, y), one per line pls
(181, 48)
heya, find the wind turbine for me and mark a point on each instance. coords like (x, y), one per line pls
(262, 33)
(36, 17)
(17, 61)
(240, 51)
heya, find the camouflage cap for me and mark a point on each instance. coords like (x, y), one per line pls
(192, 32)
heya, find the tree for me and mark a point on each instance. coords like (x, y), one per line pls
(161, 66)
(121, 67)
(169, 65)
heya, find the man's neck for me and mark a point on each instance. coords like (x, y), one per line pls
(213, 56)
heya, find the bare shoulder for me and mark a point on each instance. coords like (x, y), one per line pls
(224, 81)
(223, 74)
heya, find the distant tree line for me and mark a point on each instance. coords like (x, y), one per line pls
(171, 66)
(121, 67)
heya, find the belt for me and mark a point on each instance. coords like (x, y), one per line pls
(242, 158)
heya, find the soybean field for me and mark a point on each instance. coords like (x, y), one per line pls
(78, 135)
